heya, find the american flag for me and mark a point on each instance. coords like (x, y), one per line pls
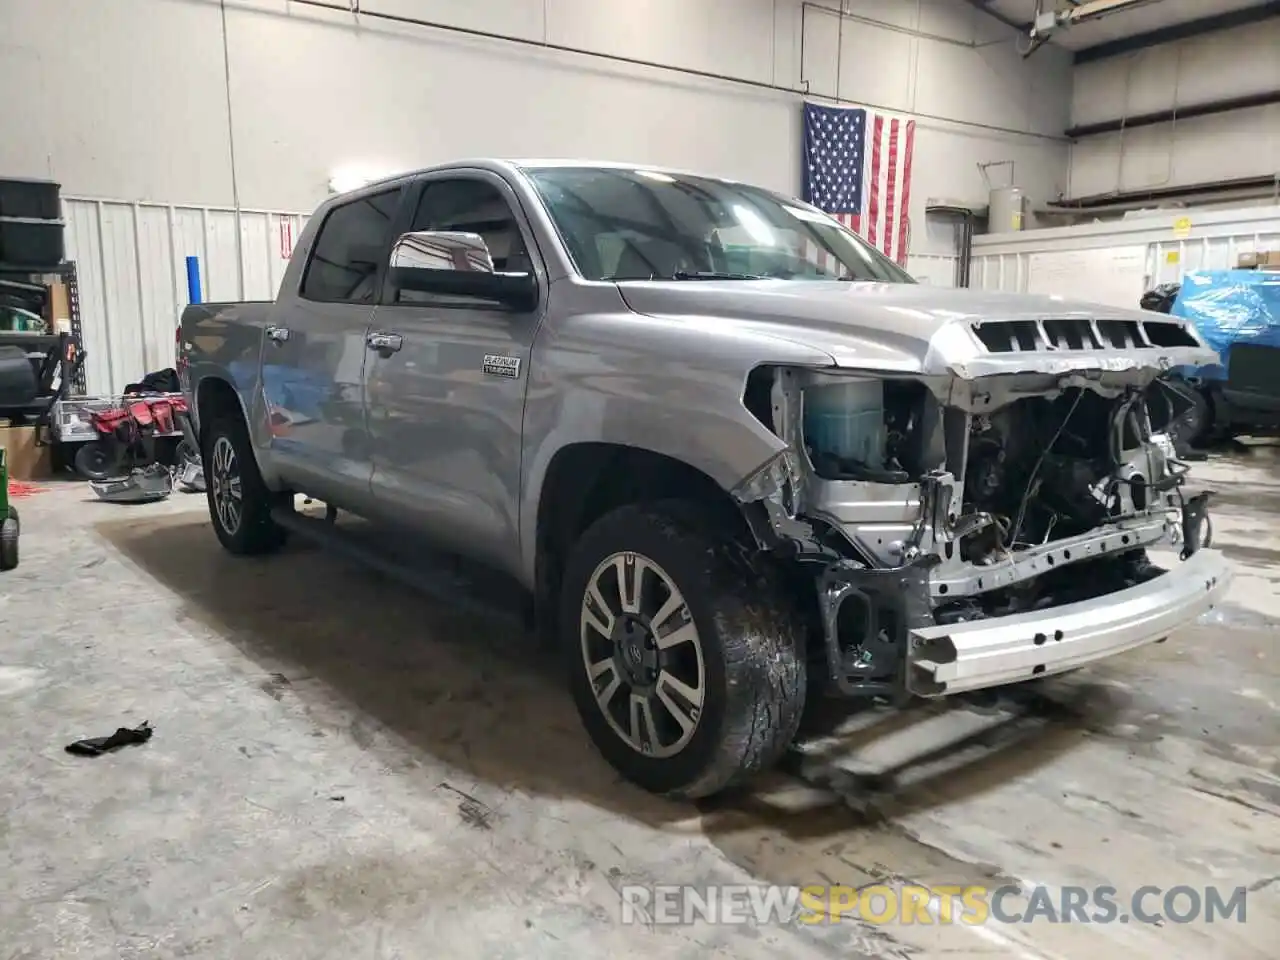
(857, 168)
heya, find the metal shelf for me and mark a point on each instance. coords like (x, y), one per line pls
(67, 271)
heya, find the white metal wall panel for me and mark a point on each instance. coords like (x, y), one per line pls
(84, 247)
(121, 290)
(158, 284)
(132, 270)
(219, 275)
(282, 236)
(255, 253)
(1006, 272)
(1177, 244)
(936, 271)
(1172, 261)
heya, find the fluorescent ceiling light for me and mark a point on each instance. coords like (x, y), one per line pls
(343, 180)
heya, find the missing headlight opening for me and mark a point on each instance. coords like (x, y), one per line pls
(928, 502)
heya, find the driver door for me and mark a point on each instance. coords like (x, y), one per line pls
(446, 388)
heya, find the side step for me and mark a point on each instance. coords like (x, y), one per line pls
(428, 576)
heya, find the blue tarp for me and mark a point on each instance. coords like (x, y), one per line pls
(1229, 307)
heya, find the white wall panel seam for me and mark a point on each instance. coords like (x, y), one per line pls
(137, 266)
(102, 294)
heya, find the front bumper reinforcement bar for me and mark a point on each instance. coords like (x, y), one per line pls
(986, 653)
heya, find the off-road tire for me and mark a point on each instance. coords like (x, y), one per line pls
(752, 644)
(9, 530)
(256, 533)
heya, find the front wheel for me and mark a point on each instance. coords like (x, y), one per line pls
(240, 502)
(687, 668)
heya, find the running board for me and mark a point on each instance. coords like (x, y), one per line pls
(454, 590)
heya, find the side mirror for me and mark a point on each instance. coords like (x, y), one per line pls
(457, 264)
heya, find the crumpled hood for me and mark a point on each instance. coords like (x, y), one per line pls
(908, 328)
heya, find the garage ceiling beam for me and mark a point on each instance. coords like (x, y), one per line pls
(1179, 31)
(1224, 189)
(1189, 112)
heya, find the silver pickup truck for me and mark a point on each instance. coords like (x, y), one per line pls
(735, 456)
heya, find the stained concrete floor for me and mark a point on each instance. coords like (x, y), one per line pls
(345, 769)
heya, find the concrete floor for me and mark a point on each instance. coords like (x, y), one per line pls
(344, 769)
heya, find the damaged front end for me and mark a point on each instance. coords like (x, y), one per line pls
(986, 519)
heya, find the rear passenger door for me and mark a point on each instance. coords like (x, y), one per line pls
(313, 359)
(446, 408)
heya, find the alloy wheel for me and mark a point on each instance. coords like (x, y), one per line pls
(225, 491)
(642, 654)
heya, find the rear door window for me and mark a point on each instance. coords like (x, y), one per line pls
(352, 246)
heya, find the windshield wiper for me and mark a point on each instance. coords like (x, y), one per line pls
(712, 275)
(687, 275)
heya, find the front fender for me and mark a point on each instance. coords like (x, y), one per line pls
(674, 392)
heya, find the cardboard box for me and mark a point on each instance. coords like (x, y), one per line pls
(1259, 260)
(27, 461)
(57, 312)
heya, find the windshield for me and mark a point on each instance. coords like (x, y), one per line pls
(621, 224)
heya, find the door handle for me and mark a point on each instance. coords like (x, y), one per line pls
(277, 334)
(384, 343)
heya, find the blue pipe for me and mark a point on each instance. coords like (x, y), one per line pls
(193, 280)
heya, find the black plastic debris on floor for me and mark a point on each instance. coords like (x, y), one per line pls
(97, 746)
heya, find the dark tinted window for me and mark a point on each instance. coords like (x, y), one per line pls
(354, 240)
(469, 205)
(474, 206)
(622, 224)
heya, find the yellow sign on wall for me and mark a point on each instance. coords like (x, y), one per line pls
(1182, 227)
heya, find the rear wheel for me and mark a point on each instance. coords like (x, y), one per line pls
(687, 667)
(240, 503)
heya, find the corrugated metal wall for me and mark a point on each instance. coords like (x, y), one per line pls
(131, 264)
(935, 270)
(1176, 244)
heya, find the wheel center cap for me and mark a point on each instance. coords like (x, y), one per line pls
(632, 653)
